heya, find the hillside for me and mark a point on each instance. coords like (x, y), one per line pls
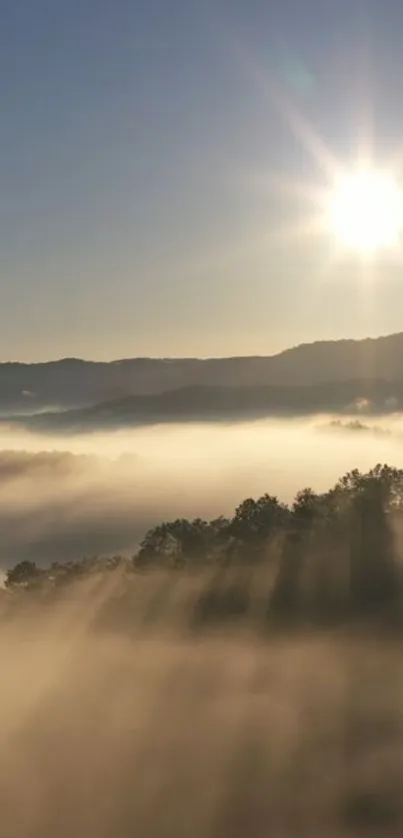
(225, 404)
(73, 383)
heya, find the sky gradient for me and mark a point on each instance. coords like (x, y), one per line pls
(143, 167)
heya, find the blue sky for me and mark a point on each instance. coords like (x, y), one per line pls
(140, 143)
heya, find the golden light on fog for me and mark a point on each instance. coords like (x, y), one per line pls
(365, 211)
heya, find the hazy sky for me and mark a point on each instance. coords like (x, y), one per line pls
(140, 148)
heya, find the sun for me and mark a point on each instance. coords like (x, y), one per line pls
(365, 211)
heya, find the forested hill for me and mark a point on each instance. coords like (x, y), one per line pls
(72, 382)
(191, 404)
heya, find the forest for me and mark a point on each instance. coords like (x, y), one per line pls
(324, 558)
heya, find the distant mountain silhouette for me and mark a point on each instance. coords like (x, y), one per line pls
(74, 383)
(200, 403)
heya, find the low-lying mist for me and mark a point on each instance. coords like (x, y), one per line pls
(64, 497)
(153, 733)
(165, 704)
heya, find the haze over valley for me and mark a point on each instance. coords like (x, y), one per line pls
(94, 486)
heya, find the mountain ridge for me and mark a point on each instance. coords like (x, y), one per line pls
(220, 403)
(205, 358)
(71, 383)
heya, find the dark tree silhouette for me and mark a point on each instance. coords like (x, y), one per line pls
(325, 556)
(255, 524)
(22, 575)
(180, 542)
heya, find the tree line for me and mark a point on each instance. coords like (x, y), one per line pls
(323, 555)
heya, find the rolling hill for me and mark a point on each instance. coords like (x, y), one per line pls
(201, 403)
(75, 383)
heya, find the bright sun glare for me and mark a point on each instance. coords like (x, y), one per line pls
(365, 211)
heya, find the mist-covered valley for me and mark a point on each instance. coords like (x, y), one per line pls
(254, 690)
(64, 497)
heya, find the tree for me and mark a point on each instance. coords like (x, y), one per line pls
(22, 575)
(254, 525)
(179, 542)
(373, 561)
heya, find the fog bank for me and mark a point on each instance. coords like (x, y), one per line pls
(65, 497)
(154, 735)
